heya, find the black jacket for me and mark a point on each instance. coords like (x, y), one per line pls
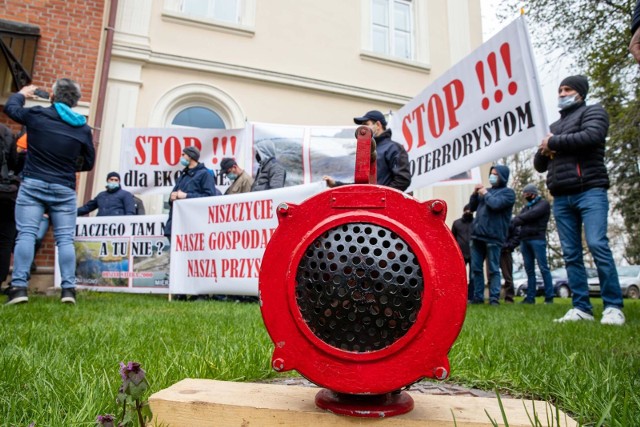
(513, 237)
(635, 21)
(578, 141)
(533, 219)
(110, 203)
(58, 147)
(393, 163)
(461, 230)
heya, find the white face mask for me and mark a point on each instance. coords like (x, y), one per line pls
(565, 102)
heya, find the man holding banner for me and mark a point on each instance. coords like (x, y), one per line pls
(494, 207)
(195, 181)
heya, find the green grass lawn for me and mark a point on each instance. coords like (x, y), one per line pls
(59, 364)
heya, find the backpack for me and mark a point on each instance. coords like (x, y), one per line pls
(8, 180)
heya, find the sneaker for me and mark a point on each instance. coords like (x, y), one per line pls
(68, 296)
(574, 315)
(494, 303)
(528, 301)
(17, 295)
(612, 316)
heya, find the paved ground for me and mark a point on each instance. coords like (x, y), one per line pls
(424, 387)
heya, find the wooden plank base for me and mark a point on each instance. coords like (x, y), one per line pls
(196, 402)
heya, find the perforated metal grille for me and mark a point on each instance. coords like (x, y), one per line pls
(359, 287)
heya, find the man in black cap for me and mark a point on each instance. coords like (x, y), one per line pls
(392, 159)
(573, 157)
(461, 230)
(113, 202)
(194, 181)
(241, 181)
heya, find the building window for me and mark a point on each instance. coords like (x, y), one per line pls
(235, 16)
(198, 117)
(392, 28)
(219, 10)
(18, 44)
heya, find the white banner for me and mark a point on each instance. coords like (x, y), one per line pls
(150, 157)
(121, 254)
(217, 243)
(485, 107)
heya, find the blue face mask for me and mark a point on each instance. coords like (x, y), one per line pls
(113, 185)
(565, 102)
(493, 179)
(184, 162)
(232, 176)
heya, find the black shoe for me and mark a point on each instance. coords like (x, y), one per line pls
(548, 301)
(527, 301)
(494, 303)
(68, 296)
(17, 295)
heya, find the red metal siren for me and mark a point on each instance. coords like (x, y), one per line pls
(363, 291)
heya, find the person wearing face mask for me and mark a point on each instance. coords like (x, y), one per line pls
(493, 207)
(533, 220)
(392, 160)
(195, 181)
(461, 230)
(572, 154)
(241, 181)
(113, 202)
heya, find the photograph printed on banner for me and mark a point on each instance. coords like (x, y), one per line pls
(102, 262)
(332, 151)
(150, 261)
(288, 143)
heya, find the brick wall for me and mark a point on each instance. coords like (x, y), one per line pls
(70, 32)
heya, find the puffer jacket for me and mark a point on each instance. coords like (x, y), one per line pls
(110, 203)
(271, 174)
(494, 210)
(578, 141)
(533, 219)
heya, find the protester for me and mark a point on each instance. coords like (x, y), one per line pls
(60, 144)
(533, 220)
(11, 164)
(392, 160)
(461, 230)
(114, 201)
(634, 45)
(194, 181)
(494, 207)
(271, 174)
(241, 181)
(573, 157)
(506, 260)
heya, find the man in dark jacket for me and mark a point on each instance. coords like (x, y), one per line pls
(634, 46)
(392, 162)
(194, 181)
(60, 144)
(271, 174)
(573, 157)
(533, 220)
(506, 260)
(461, 230)
(493, 209)
(113, 202)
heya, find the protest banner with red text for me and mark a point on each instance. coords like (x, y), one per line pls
(487, 106)
(217, 243)
(121, 254)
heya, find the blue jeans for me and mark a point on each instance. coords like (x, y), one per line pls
(34, 198)
(532, 251)
(491, 251)
(589, 208)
